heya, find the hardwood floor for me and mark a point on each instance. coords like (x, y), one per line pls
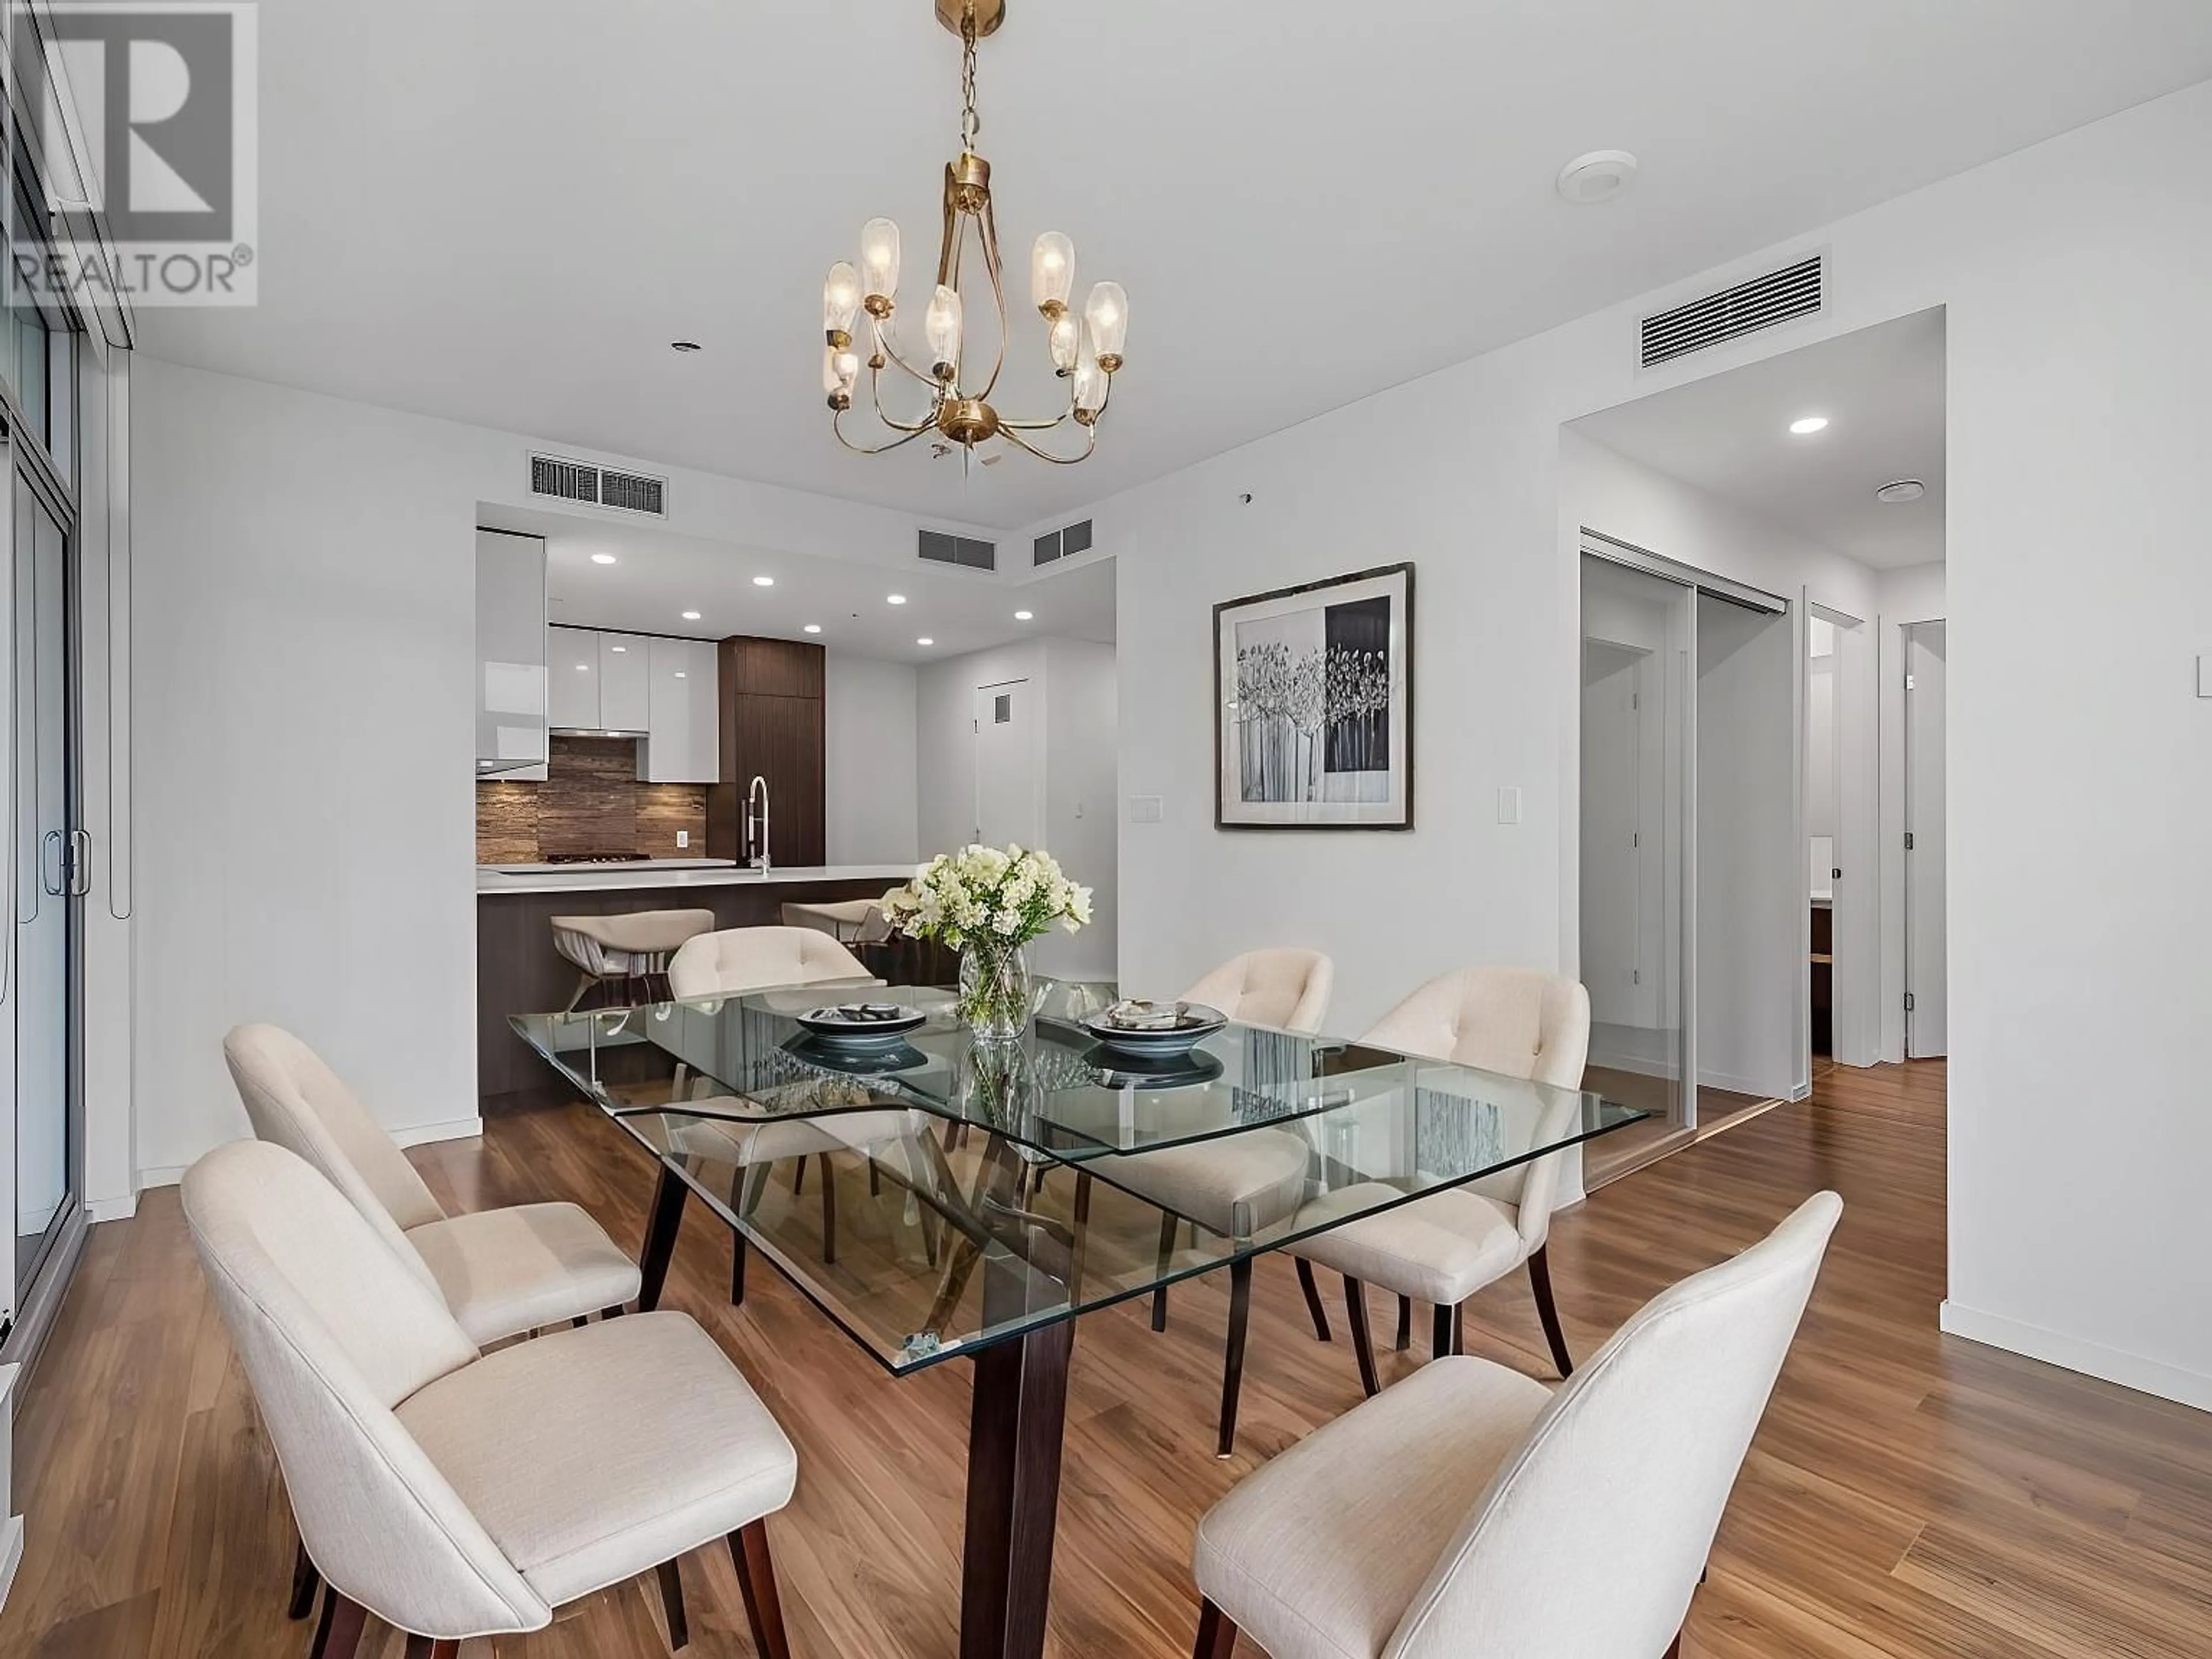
(1909, 1494)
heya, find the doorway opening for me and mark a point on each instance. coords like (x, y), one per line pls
(1815, 477)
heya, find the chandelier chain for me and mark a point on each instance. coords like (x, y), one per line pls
(970, 122)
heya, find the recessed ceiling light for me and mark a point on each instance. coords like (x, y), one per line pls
(1599, 176)
(583, 668)
(925, 640)
(621, 648)
(683, 345)
(1808, 425)
(679, 673)
(1900, 490)
(1024, 616)
(690, 615)
(602, 558)
(813, 627)
(893, 598)
(763, 582)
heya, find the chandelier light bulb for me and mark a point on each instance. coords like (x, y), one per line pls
(940, 326)
(880, 258)
(1052, 272)
(1067, 341)
(841, 298)
(1107, 312)
(1090, 387)
(839, 369)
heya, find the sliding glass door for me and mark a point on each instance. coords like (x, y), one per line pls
(48, 876)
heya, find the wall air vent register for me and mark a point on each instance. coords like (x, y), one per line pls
(561, 479)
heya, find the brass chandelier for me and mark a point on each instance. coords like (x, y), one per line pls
(1086, 351)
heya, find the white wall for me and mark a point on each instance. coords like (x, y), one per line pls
(1073, 687)
(304, 678)
(2072, 276)
(869, 788)
(1082, 695)
(944, 736)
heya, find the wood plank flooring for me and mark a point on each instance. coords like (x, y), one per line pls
(1908, 1495)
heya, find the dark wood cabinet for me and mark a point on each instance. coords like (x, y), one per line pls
(771, 699)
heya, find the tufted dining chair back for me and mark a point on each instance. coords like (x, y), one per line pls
(1288, 989)
(736, 960)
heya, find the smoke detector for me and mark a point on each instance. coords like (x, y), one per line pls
(1597, 177)
(1900, 490)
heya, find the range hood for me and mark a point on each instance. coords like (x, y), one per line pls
(492, 769)
(591, 732)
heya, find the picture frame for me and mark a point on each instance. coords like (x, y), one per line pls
(1313, 701)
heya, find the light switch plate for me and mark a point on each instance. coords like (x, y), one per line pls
(1509, 804)
(682, 839)
(1144, 808)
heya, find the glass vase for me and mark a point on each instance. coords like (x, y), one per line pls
(995, 991)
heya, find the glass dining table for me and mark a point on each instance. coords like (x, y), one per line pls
(972, 1200)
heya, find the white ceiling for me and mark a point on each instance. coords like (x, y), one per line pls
(1881, 391)
(501, 211)
(657, 577)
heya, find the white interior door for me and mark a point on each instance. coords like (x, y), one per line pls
(1006, 764)
(1926, 969)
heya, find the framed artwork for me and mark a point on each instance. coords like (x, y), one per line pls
(1313, 696)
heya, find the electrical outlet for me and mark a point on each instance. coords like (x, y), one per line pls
(682, 839)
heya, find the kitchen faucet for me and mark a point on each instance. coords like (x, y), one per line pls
(757, 856)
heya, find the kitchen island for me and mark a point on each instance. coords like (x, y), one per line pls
(519, 971)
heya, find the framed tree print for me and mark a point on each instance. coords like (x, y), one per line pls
(1313, 696)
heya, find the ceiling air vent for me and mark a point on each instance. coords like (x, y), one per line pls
(1061, 543)
(579, 481)
(1778, 296)
(939, 548)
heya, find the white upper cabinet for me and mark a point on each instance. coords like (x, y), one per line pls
(510, 653)
(625, 668)
(685, 742)
(572, 672)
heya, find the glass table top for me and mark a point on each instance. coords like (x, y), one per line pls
(974, 1192)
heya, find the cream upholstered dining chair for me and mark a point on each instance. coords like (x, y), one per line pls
(502, 1272)
(628, 946)
(739, 959)
(1256, 1178)
(454, 1493)
(730, 963)
(1442, 1249)
(1286, 989)
(1470, 1512)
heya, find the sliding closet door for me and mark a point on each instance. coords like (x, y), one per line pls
(1638, 737)
(49, 1139)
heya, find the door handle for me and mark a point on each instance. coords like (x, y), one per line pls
(80, 863)
(52, 841)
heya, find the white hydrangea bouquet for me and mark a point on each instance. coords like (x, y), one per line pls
(987, 905)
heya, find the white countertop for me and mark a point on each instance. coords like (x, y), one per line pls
(675, 873)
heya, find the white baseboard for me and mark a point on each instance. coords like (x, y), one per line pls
(112, 1209)
(458, 1128)
(11, 1554)
(2129, 1370)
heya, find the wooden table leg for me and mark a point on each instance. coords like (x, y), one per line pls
(660, 1231)
(1014, 1435)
